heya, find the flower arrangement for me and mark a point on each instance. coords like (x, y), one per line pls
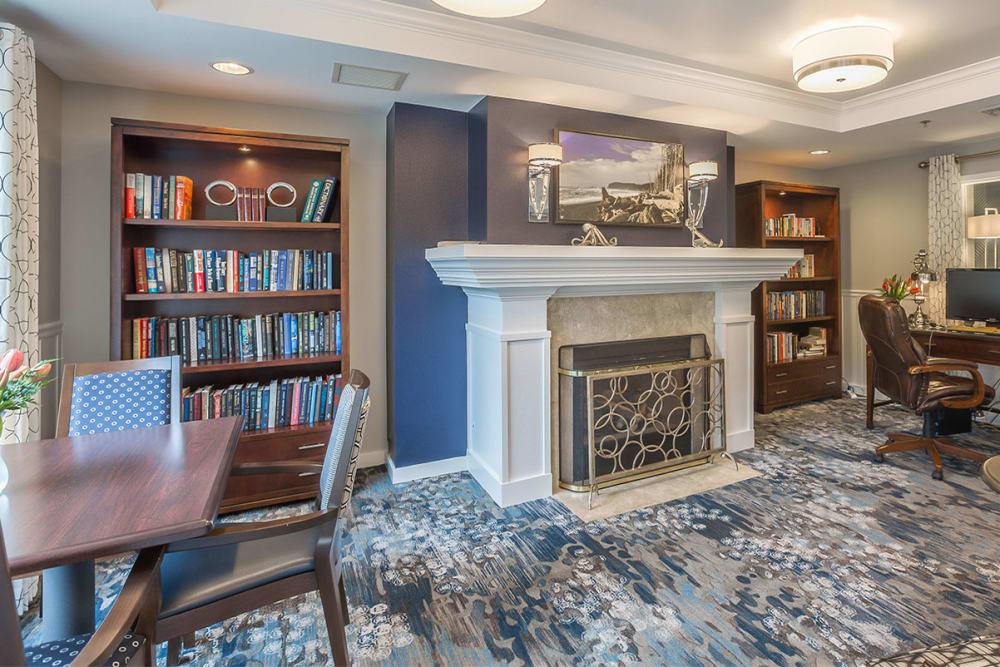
(20, 382)
(898, 288)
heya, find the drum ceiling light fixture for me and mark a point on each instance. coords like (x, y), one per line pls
(491, 9)
(842, 59)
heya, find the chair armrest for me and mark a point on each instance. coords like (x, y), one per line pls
(231, 533)
(139, 586)
(936, 365)
(275, 468)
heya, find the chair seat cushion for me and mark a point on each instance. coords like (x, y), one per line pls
(196, 577)
(941, 386)
(63, 651)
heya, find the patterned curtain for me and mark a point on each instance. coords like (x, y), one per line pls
(18, 213)
(947, 245)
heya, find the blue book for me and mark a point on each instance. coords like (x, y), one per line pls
(265, 404)
(243, 273)
(282, 270)
(272, 285)
(309, 208)
(336, 332)
(157, 196)
(286, 328)
(294, 334)
(307, 269)
(151, 284)
(321, 405)
(220, 270)
(252, 271)
(266, 261)
(329, 270)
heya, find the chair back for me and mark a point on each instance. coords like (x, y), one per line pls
(884, 325)
(119, 395)
(333, 479)
(11, 647)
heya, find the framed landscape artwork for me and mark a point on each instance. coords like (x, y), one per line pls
(620, 181)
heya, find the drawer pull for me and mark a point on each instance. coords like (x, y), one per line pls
(831, 367)
(780, 375)
(783, 391)
(832, 382)
(305, 447)
(306, 474)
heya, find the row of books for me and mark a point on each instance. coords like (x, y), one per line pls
(158, 197)
(319, 200)
(785, 346)
(791, 225)
(176, 271)
(251, 204)
(795, 304)
(287, 402)
(216, 338)
(804, 268)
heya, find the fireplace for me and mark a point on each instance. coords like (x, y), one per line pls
(635, 408)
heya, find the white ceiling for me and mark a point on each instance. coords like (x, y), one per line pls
(715, 63)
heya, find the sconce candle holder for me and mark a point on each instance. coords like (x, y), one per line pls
(700, 174)
(541, 158)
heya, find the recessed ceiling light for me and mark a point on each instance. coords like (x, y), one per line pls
(820, 151)
(491, 9)
(228, 67)
(842, 59)
(782, 193)
(244, 149)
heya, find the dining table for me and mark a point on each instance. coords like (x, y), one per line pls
(72, 500)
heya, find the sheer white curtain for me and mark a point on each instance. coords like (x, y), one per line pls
(18, 212)
(947, 246)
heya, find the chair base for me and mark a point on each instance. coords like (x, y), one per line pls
(934, 446)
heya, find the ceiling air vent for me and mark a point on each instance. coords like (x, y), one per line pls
(992, 111)
(368, 77)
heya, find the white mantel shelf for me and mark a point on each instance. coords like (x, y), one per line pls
(507, 337)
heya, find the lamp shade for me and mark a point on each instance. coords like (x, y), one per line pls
(842, 59)
(704, 170)
(545, 154)
(985, 226)
(491, 9)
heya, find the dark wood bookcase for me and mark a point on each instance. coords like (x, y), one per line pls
(807, 379)
(206, 154)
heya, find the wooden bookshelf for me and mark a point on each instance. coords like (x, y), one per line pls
(206, 154)
(778, 384)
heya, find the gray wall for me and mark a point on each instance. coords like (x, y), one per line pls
(86, 153)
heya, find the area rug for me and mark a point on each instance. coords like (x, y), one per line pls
(826, 558)
(645, 493)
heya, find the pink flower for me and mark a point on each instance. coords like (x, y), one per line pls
(11, 360)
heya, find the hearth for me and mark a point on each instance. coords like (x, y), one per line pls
(635, 408)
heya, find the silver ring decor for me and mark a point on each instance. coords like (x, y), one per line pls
(225, 184)
(281, 184)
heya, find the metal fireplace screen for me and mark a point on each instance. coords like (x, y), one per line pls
(632, 409)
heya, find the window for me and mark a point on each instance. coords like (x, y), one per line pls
(982, 192)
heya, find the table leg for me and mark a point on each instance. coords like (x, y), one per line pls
(68, 597)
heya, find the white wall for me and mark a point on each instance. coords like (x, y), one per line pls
(86, 153)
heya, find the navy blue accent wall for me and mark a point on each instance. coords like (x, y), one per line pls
(513, 124)
(426, 202)
(463, 176)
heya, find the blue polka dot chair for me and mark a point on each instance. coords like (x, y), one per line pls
(120, 640)
(119, 395)
(239, 567)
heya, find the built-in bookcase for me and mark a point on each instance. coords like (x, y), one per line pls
(249, 159)
(781, 383)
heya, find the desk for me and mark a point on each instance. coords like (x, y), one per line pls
(982, 348)
(71, 500)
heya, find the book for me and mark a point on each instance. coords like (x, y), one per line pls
(182, 199)
(199, 271)
(325, 201)
(129, 195)
(147, 197)
(139, 264)
(172, 198)
(157, 196)
(309, 208)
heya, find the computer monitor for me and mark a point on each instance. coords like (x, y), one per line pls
(973, 294)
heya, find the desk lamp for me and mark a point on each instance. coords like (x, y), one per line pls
(923, 275)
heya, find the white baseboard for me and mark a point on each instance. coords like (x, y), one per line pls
(506, 494)
(737, 442)
(422, 470)
(370, 459)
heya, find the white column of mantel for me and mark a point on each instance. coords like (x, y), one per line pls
(734, 342)
(507, 348)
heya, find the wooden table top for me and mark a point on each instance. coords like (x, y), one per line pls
(74, 499)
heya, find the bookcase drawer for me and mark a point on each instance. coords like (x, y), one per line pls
(306, 447)
(798, 370)
(826, 381)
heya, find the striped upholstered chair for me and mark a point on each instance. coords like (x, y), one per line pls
(239, 567)
(119, 395)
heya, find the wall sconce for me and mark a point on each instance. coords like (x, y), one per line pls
(986, 227)
(700, 174)
(924, 275)
(541, 158)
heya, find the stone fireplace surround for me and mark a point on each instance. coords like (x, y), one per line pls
(513, 290)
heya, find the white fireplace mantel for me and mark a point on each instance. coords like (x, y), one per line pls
(507, 350)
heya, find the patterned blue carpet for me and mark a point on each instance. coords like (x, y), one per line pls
(828, 557)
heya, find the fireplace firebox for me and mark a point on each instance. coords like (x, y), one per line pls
(635, 408)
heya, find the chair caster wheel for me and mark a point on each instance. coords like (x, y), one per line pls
(879, 458)
(938, 474)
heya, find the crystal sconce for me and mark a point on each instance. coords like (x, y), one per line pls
(700, 174)
(541, 158)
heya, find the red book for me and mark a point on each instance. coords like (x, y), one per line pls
(296, 398)
(199, 271)
(139, 260)
(129, 195)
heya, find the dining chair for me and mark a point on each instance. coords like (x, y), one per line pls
(120, 639)
(239, 567)
(119, 395)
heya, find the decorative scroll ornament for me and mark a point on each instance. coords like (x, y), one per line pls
(286, 186)
(225, 184)
(593, 236)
